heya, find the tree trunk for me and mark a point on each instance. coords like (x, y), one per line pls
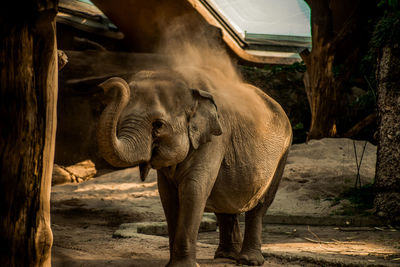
(387, 179)
(333, 23)
(28, 94)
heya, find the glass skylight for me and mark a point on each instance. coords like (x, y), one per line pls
(267, 20)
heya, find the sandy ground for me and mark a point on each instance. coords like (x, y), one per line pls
(86, 215)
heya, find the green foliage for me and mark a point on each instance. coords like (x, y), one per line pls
(249, 68)
(362, 197)
(366, 101)
(299, 133)
(298, 126)
(387, 31)
(362, 200)
(297, 66)
(389, 3)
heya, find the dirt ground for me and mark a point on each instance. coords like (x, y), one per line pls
(86, 240)
(86, 215)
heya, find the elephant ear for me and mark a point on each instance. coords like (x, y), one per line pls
(204, 121)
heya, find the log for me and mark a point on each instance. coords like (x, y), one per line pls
(360, 125)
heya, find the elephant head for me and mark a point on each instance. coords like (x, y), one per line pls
(154, 121)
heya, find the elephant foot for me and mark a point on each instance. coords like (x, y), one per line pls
(226, 252)
(251, 258)
(183, 263)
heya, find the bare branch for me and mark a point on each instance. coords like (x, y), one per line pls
(305, 56)
(361, 125)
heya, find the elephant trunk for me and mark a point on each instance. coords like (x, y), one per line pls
(130, 147)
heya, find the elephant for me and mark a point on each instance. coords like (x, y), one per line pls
(216, 146)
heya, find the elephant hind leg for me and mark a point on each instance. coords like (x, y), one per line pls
(251, 248)
(230, 237)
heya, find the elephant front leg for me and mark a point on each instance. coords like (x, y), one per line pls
(180, 255)
(195, 178)
(170, 202)
(230, 237)
(192, 199)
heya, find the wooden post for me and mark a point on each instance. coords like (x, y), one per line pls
(28, 97)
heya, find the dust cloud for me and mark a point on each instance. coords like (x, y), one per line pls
(195, 48)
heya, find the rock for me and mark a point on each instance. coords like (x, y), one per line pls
(357, 92)
(62, 59)
(319, 171)
(208, 224)
(84, 170)
(60, 176)
(77, 173)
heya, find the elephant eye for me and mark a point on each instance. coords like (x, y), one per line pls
(157, 125)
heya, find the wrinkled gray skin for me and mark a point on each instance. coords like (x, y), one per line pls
(215, 148)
